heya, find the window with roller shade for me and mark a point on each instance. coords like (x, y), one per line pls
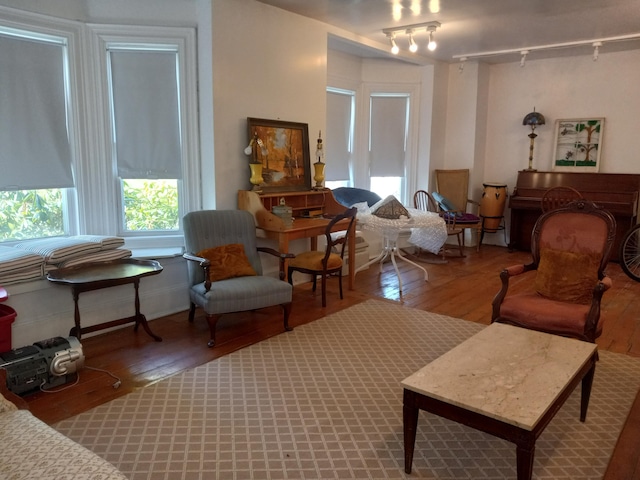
(63, 174)
(145, 115)
(339, 136)
(388, 128)
(35, 133)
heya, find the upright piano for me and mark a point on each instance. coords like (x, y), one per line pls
(616, 192)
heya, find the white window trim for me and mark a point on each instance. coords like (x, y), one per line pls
(100, 143)
(89, 120)
(411, 155)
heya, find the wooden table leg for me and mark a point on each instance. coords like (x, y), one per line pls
(283, 247)
(524, 459)
(76, 331)
(410, 413)
(587, 382)
(351, 246)
(140, 318)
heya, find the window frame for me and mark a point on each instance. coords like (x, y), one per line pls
(184, 39)
(73, 35)
(89, 206)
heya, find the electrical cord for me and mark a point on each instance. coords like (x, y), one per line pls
(117, 379)
(117, 383)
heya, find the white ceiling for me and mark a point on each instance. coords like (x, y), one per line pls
(473, 26)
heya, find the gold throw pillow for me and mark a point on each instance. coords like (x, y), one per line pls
(227, 261)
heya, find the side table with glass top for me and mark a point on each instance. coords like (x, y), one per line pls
(96, 275)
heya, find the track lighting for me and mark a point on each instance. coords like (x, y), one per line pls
(432, 43)
(461, 66)
(596, 50)
(595, 43)
(413, 46)
(392, 40)
(410, 31)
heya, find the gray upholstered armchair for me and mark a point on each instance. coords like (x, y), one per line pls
(224, 267)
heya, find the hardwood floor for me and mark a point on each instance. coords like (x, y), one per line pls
(462, 288)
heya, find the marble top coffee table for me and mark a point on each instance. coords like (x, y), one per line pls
(506, 381)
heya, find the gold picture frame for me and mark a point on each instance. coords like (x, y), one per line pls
(578, 144)
(283, 150)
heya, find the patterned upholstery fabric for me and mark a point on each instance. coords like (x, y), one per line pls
(33, 450)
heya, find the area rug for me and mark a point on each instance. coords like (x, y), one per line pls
(325, 402)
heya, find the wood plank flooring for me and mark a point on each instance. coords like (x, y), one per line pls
(462, 288)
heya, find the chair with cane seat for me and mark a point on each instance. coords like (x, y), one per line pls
(328, 262)
(452, 190)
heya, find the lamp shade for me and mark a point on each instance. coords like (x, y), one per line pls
(534, 119)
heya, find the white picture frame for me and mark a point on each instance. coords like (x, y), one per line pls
(578, 144)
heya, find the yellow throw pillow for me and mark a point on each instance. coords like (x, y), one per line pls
(567, 276)
(227, 261)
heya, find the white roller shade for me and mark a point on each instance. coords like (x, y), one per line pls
(338, 137)
(146, 113)
(34, 143)
(388, 136)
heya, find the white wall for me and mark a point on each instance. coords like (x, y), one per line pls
(267, 63)
(486, 110)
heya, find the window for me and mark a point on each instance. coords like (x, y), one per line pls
(145, 116)
(388, 129)
(34, 134)
(339, 144)
(116, 145)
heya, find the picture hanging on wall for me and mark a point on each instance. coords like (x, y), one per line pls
(578, 144)
(283, 152)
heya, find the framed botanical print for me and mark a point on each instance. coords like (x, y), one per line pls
(578, 144)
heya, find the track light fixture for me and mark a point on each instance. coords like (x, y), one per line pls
(394, 45)
(432, 43)
(410, 31)
(596, 50)
(413, 46)
(595, 43)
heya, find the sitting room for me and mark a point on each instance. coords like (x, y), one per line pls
(157, 115)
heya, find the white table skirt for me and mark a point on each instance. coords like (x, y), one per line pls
(428, 229)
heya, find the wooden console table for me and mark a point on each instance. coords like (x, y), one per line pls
(97, 275)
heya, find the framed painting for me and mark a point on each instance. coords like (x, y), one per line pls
(284, 154)
(578, 144)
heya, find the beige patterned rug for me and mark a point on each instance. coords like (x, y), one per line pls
(325, 402)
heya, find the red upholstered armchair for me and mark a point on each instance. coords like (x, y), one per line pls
(570, 247)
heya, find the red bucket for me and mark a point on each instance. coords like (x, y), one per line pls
(7, 316)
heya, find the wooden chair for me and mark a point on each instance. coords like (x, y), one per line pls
(557, 197)
(422, 200)
(328, 262)
(570, 247)
(212, 231)
(452, 195)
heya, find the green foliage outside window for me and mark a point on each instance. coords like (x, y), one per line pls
(150, 205)
(26, 214)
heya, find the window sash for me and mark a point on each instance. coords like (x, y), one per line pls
(146, 113)
(388, 135)
(34, 79)
(339, 135)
